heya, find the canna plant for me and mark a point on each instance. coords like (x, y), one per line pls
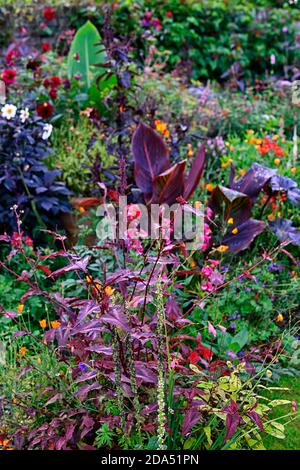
(159, 181)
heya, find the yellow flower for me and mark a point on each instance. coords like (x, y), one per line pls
(222, 248)
(277, 161)
(234, 231)
(279, 317)
(275, 137)
(197, 204)
(109, 291)
(89, 279)
(209, 187)
(250, 131)
(55, 324)
(39, 360)
(43, 324)
(230, 221)
(190, 152)
(161, 127)
(23, 351)
(225, 164)
(20, 308)
(81, 210)
(242, 172)
(293, 169)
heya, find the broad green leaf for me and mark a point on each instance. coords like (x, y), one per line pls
(86, 51)
(279, 402)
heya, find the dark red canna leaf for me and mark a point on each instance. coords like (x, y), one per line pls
(252, 182)
(169, 185)
(195, 173)
(230, 203)
(247, 231)
(151, 158)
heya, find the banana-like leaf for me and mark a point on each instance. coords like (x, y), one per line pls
(86, 51)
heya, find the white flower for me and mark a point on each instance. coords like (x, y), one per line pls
(24, 115)
(8, 111)
(273, 59)
(47, 129)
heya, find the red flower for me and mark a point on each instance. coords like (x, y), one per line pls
(169, 14)
(28, 241)
(49, 14)
(11, 55)
(204, 352)
(45, 110)
(53, 93)
(194, 358)
(8, 76)
(46, 47)
(55, 81)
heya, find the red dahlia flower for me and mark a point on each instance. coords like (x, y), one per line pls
(49, 14)
(45, 110)
(46, 47)
(8, 76)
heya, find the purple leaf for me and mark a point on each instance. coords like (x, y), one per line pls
(83, 391)
(80, 265)
(246, 233)
(151, 157)
(236, 204)
(284, 230)
(169, 185)
(116, 317)
(87, 376)
(195, 173)
(256, 419)
(101, 349)
(144, 373)
(253, 181)
(191, 418)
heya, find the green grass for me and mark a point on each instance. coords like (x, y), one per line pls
(292, 439)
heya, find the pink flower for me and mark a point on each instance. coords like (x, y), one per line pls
(207, 286)
(211, 329)
(222, 328)
(214, 262)
(207, 271)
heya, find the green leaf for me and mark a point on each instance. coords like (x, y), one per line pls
(279, 402)
(86, 51)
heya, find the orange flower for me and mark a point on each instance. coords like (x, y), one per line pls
(234, 231)
(279, 317)
(230, 221)
(209, 187)
(222, 248)
(43, 324)
(271, 217)
(55, 324)
(81, 210)
(293, 169)
(109, 291)
(20, 308)
(23, 351)
(161, 127)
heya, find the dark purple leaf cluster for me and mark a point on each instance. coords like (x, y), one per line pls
(25, 180)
